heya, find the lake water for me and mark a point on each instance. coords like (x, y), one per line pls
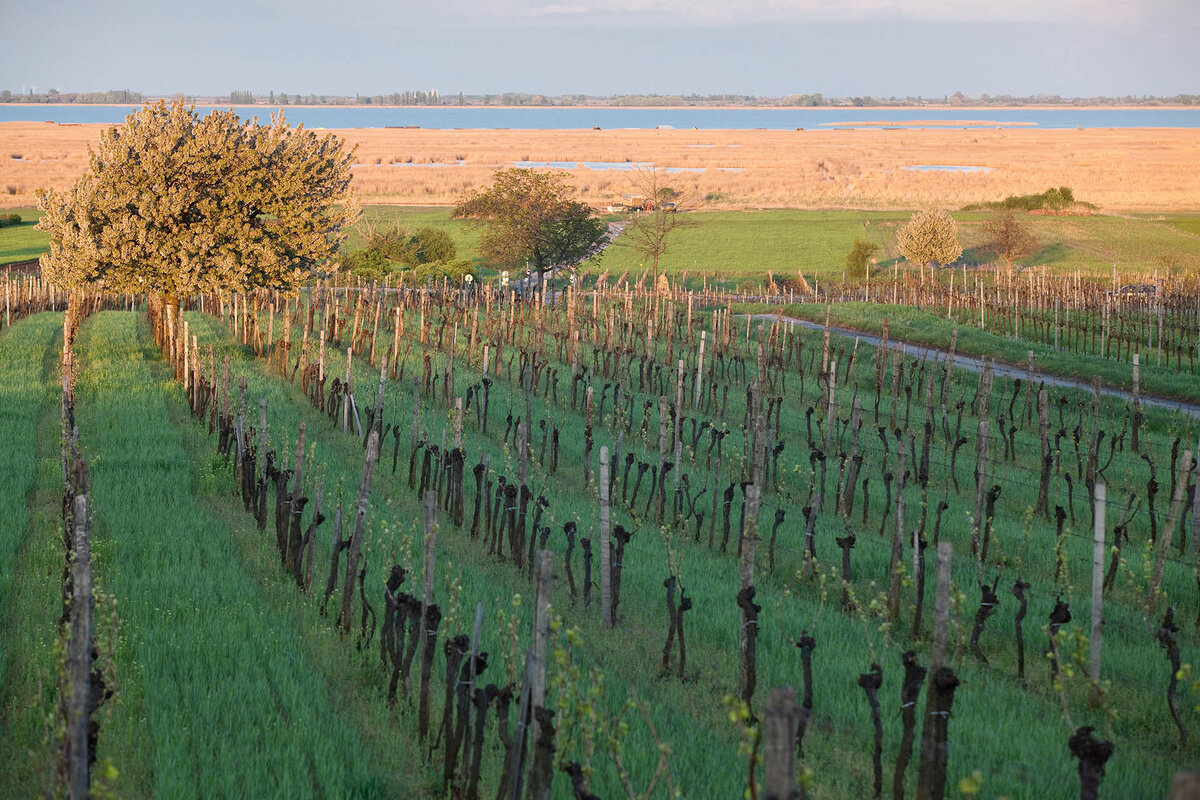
(558, 118)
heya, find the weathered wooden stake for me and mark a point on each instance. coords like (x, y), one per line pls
(830, 416)
(894, 581)
(346, 391)
(779, 734)
(537, 657)
(606, 597)
(1097, 591)
(931, 775)
(79, 655)
(360, 524)
(1164, 541)
(431, 508)
(980, 482)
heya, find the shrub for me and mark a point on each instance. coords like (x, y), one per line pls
(373, 264)
(430, 244)
(390, 251)
(859, 258)
(1054, 199)
(9, 220)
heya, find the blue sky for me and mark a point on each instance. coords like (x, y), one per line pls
(763, 47)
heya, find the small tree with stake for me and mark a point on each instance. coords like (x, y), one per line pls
(174, 204)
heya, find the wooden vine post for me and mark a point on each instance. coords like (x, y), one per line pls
(748, 631)
(1164, 540)
(1194, 544)
(897, 556)
(79, 655)
(606, 588)
(346, 397)
(290, 552)
(360, 524)
(1097, 592)
(935, 750)
(542, 772)
(431, 508)
(678, 425)
(977, 522)
(779, 736)
(830, 415)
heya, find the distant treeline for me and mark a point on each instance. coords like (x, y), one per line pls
(115, 96)
(432, 97)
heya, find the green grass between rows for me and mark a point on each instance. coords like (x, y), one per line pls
(31, 555)
(217, 696)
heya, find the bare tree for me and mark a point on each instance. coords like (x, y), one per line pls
(1009, 238)
(649, 231)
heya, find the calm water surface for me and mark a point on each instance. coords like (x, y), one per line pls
(640, 118)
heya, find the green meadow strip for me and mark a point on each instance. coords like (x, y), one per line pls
(31, 563)
(22, 388)
(216, 698)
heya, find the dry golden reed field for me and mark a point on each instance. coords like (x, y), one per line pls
(1118, 169)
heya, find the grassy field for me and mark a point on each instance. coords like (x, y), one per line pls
(745, 246)
(1188, 224)
(730, 247)
(22, 242)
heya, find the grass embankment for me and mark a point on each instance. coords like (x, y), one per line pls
(30, 553)
(917, 326)
(217, 697)
(991, 707)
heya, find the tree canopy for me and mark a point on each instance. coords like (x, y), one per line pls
(1009, 238)
(174, 203)
(930, 237)
(530, 217)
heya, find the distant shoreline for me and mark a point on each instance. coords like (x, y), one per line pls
(590, 107)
